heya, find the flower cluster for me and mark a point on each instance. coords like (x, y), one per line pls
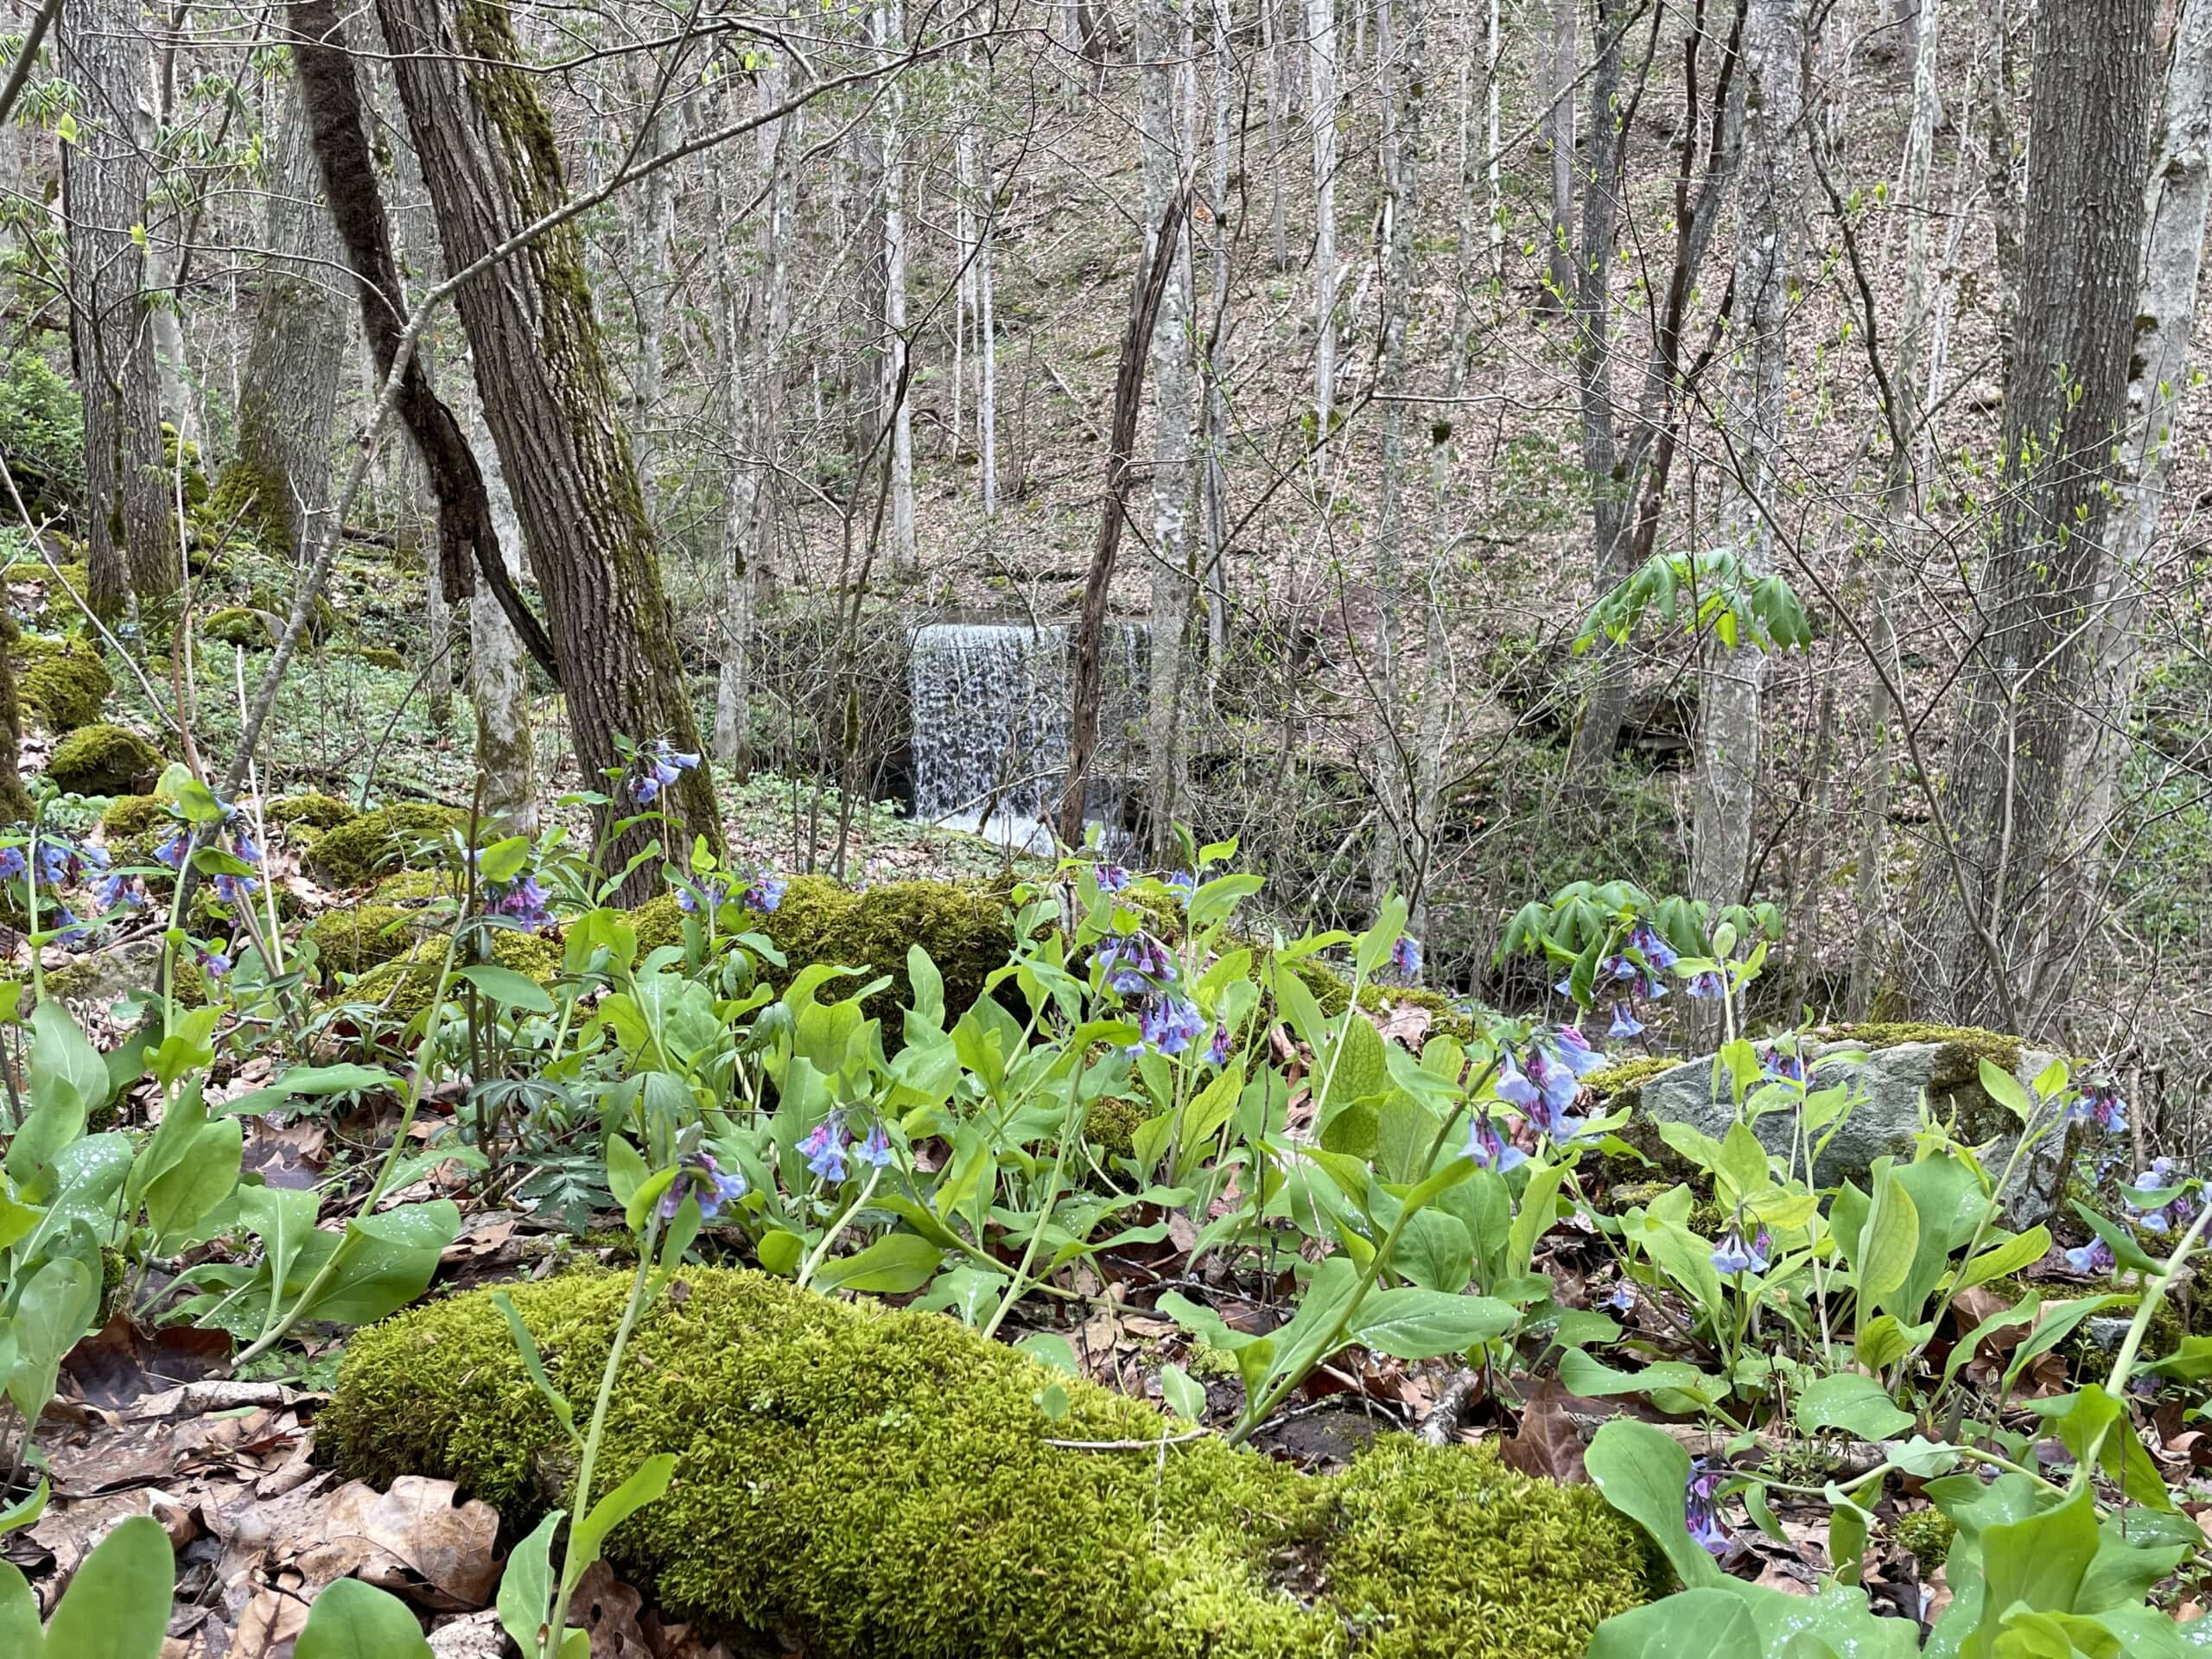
(2092, 1260)
(524, 901)
(65, 863)
(1406, 958)
(1735, 1253)
(700, 1177)
(829, 1143)
(2101, 1105)
(233, 835)
(1701, 1508)
(1544, 1081)
(660, 764)
(1170, 1023)
(1491, 1149)
(2176, 1212)
(1112, 878)
(1780, 1065)
(1184, 884)
(1134, 963)
(765, 893)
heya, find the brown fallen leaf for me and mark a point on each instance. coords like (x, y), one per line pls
(608, 1608)
(1548, 1444)
(121, 1363)
(413, 1541)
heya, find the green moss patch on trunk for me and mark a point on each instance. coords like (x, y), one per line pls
(873, 1484)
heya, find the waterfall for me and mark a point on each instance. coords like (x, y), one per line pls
(990, 728)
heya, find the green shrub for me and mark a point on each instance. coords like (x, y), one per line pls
(103, 759)
(363, 846)
(62, 681)
(43, 432)
(860, 1482)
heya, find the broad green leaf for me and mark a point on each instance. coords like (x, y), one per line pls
(2008, 1256)
(1050, 1348)
(55, 1308)
(312, 1080)
(1703, 1623)
(20, 1635)
(1881, 1342)
(893, 1265)
(527, 1587)
(118, 1606)
(386, 1260)
(780, 1252)
(2005, 1089)
(1184, 1394)
(1579, 1373)
(1412, 1323)
(590, 1533)
(1857, 1405)
(353, 1620)
(1891, 1239)
(1645, 1474)
(507, 987)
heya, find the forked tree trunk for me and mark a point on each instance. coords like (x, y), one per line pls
(492, 166)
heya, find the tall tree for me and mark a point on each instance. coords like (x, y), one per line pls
(1321, 62)
(1728, 702)
(1162, 38)
(2002, 909)
(493, 169)
(106, 179)
(281, 472)
(889, 22)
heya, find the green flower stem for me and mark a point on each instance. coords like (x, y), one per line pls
(1069, 1127)
(820, 1252)
(2123, 1365)
(425, 1056)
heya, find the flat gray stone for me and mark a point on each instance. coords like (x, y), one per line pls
(1892, 1082)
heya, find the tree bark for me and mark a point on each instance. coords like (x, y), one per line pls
(106, 179)
(1728, 732)
(1160, 48)
(289, 391)
(2013, 794)
(890, 40)
(492, 168)
(1321, 62)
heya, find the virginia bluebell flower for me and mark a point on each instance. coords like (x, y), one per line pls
(116, 890)
(1491, 1149)
(1781, 1066)
(523, 900)
(1405, 957)
(1622, 1298)
(824, 1147)
(2102, 1106)
(12, 863)
(171, 852)
(217, 962)
(1549, 1088)
(1703, 1512)
(1217, 1049)
(767, 893)
(659, 767)
(1134, 963)
(1112, 878)
(1170, 1023)
(1625, 1023)
(1733, 1254)
(2092, 1260)
(875, 1149)
(1652, 946)
(1708, 983)
(1572, 1049)
(700, 1177)
(69, 927)
(1184, 884)
(706, 897)
(235, 889)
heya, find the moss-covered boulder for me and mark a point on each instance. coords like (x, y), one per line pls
(361, 848)
(865, 1484)
(310, 813)
(403, 985)
(963, 929)
(412, 888)
(134, 815)
(360, 936)
(236, 625)
(104, 759)
(62, 681)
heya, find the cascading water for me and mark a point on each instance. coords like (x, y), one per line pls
(990, 727)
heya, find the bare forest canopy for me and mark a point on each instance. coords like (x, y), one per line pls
(1750, 449)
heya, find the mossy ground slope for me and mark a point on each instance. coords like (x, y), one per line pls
(873, 1483)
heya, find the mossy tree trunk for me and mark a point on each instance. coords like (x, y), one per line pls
(106, 179)
(15, 803)
(280, 480)
(490, 162)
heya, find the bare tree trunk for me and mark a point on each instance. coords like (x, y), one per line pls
(1728, 707)
(1901, 501)
(652, 275)
(288, 392)
(889, 22)
(164, 304)
(1558, 128)
(1213, 411)
(106, 180)
(2002, 916)
(2001, 175)
(1401, 115)
(499, 673)
(488, 159)
(1321, 58)
(987, 343)
(1160, 48)
(2175, 204)
(1273, 19)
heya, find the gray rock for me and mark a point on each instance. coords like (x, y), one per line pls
(1891, 1084)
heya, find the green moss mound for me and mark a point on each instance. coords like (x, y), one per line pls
(963, 929)
(104, 759)
(1965, 1046)
(413, 887)
(405, 984)
(870, 1483)
(309, 815)
(134, 815)
(62, 681)
(379, 657)
(348, 941)
(363, 846)
(236, 625)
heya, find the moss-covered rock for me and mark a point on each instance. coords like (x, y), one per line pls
(134, 815)
(360, 936)
(236, 625)
(963, 929)
(363, 846)
(62, 681)
(379, 657)
(1112, 1123)
(411, 888)
(403, 985)
(861, 1482)
(311, 813)
(104, 759)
